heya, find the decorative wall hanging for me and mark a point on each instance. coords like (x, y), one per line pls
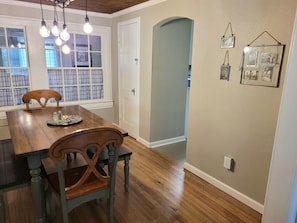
(225, 68)
(228, 41)
(262, 64)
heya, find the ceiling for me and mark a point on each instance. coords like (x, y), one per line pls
(100, 6)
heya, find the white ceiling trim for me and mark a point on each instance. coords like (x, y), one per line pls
(138, 7)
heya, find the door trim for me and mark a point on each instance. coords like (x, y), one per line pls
(137, 21)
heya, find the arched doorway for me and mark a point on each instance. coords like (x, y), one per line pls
(172, 51)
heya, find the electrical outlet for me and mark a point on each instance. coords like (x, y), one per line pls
(228, 162)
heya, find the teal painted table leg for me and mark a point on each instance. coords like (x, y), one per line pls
(37, 188)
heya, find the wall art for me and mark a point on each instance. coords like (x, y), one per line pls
(262, 65)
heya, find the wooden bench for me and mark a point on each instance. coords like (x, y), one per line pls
(14, 172)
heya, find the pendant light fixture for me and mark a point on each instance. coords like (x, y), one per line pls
(87, 26)
(43, 31)
(62, 36)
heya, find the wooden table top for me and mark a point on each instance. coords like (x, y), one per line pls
(31, 135)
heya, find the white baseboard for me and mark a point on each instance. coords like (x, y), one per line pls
(227, 189)
(144, 142)
(163, 142)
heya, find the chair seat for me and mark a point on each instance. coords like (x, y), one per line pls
(72, 176)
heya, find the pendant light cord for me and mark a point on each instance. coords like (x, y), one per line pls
(86, 8)
(55, 11)
(64, 14)
(41, 10)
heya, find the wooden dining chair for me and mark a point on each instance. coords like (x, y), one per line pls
(42, 96)
(86, 182)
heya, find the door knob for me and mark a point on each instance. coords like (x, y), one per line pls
(133, 91)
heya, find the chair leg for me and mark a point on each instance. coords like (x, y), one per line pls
(51, 204)
(68, 157)
(126, 173)
(65, 217)
(2, 208)
(110, 202)
(64, 211)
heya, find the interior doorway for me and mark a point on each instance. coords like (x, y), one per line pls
(172, 53)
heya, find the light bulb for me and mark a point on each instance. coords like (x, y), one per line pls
(66, 49)
(55, 30)
(43, 31)
(64, 35)
(58, 41)
(88, 28)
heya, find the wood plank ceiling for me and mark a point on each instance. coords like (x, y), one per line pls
(100, 6)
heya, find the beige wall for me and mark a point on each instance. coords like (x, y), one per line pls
(225, 118)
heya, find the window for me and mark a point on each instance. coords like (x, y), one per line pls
(14, 70)
(78, 76)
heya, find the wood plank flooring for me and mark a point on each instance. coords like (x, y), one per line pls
(160, 191)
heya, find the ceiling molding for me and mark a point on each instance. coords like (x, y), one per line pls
(50, 8)
(82, 12)
(138, 7)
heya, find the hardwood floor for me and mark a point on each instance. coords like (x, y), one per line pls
(160, 191)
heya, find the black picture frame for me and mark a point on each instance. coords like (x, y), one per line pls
(262, 65)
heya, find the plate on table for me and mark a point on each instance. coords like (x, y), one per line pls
(65, 120)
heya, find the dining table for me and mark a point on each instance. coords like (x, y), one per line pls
(33, 131)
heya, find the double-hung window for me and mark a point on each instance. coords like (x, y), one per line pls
(14, 68)
(78, 76)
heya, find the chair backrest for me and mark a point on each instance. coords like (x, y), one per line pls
(41, 96)
(81, 142)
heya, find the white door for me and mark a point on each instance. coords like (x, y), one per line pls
(128, 59)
